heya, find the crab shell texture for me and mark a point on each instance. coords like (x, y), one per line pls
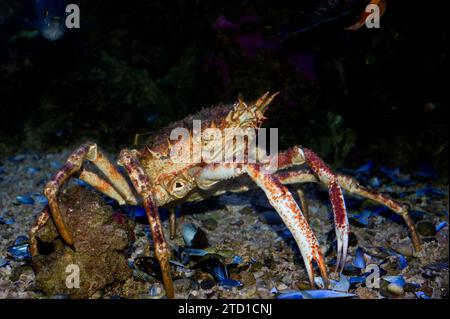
(174, 181)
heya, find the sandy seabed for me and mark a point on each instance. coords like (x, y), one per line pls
(235, 226)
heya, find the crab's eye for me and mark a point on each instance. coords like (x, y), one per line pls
(178, 187)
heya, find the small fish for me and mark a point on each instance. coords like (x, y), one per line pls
(25, 200)
(51, 18)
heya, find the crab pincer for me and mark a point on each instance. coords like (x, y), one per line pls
(282, 200)
(326, 175)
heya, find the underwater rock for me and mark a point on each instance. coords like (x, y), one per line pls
(100, 243)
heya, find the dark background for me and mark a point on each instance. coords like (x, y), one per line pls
(135, 66)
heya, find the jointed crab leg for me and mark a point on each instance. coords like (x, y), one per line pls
(73, 164)
(283, 202)
(142, 185)
(303, 204)
(281, 199)
(101, 185)
(172, 223)
(353, 187)
(326, 176)
(39, 223)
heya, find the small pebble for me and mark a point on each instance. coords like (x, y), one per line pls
(237, 222)
(247, 278)
(395, 289)
(303, 285)
(210, 224)
(183, 285)
(405, 249)
(282, 286)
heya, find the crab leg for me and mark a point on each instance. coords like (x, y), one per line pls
(40, 222)
(172, 222)
(283, 202)
(142, 185)
(281, 199)
(73, 164)
(303, 203)
(326, 176)
(101, 185)
(353, 187)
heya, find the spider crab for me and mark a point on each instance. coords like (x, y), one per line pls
(158, 181)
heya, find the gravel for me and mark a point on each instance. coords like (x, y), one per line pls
(235, 227)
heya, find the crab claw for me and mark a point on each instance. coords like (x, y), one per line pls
(341, 223)
(315, 255)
